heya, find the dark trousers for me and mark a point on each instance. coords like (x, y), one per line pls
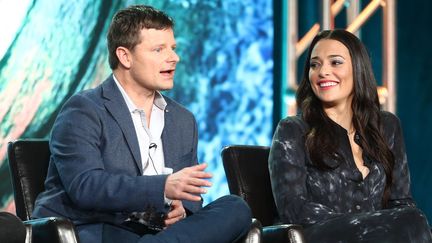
(12, 229)
(225, 220)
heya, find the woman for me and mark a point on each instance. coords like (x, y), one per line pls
(340, 167)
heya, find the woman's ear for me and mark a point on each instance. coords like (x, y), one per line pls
(124, 57)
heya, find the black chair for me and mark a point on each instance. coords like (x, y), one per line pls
(254, 235)
(28, 163)
(246, 169)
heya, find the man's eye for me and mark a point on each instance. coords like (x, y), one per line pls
(158, 49)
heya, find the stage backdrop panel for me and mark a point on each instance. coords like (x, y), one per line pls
(50, 50)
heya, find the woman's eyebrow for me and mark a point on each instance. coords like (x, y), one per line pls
(336, 55)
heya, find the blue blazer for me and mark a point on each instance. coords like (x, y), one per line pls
(95, 170)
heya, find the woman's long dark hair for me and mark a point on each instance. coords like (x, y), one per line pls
(323, 144)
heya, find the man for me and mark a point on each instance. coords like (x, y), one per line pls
(124, 161)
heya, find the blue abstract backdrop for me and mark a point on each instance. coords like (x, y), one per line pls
(50, 50)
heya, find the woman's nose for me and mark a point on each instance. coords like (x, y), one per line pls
(325, 70)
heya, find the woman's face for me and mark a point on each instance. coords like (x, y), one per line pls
(331, 74)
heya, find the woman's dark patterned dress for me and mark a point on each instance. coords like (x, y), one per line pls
(339, 205)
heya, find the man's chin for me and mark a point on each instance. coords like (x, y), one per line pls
(165, 87)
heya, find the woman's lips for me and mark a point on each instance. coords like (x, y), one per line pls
(327, 84)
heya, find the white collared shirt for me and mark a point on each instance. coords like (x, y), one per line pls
(149, 137)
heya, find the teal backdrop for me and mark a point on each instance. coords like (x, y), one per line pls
(415, 94)
(50, 50)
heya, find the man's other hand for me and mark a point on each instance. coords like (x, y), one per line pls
(187, 183)
(176, 213)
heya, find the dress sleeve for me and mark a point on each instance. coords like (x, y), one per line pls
(400, 194)
(288, 173)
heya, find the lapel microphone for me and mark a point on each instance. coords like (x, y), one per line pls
(152, 145)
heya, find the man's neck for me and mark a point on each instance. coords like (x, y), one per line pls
(141, 97)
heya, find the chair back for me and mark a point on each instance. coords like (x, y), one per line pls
(246, 169)
(28, 163)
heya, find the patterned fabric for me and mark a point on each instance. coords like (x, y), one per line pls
(309, 196)
(150, 218)
(396, 225)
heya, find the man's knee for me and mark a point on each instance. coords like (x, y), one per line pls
(237, 208)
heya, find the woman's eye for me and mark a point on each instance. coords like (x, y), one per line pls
(337, 62)
(158, 49)
(314, 65)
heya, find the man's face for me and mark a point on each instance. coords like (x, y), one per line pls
(153, 60)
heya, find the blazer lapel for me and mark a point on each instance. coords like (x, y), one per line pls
(117, 107)
(168, 132)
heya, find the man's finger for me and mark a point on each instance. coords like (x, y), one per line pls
(201, 174)
(198, 167)
(178, 212)
(194, 189)
(171, 221)
(189, 196)
(199, 182)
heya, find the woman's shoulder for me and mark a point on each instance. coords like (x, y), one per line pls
(387, 115)
(390, 123)
(388, 118)
(293, 123)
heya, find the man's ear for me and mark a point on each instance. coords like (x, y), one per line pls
(124, 56)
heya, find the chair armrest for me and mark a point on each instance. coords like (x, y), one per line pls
(52, 229)
(291, 233)
(28, 232)
(255, 233)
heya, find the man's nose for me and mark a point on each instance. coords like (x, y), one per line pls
(173, 57)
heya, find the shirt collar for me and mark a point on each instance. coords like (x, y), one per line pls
(158, 101)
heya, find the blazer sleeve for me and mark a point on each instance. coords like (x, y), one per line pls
(288, 173)
(192, 206)
(400, 194)
(76, 142)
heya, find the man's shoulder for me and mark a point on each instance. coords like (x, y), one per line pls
(88, 96)
(93, 95)
(176, 108)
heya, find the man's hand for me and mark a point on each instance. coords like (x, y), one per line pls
(186, 183)
(176, 213)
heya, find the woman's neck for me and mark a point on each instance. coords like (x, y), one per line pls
(342, 115)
